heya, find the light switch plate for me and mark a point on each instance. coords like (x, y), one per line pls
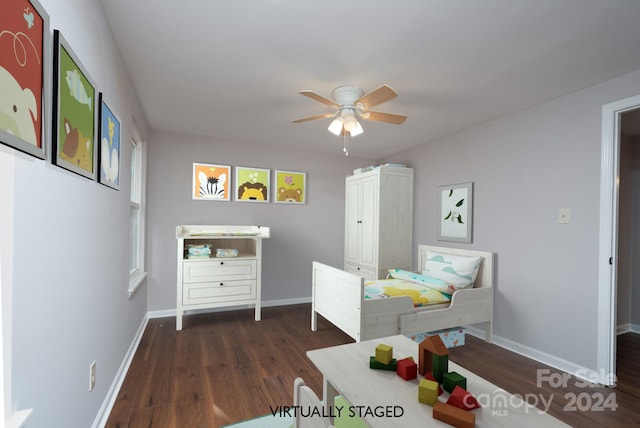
(563, 216)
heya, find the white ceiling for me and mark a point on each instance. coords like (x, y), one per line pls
(231, 69)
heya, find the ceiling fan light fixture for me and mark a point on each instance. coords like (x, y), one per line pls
(336, 125)
(350, 121)
(357, 130)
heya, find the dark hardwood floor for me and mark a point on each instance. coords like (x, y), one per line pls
(224, 367)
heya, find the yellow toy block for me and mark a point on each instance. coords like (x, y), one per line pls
(384, 353)
(428, 392)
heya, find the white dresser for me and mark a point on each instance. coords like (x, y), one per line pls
(211, 282)
(378, 221)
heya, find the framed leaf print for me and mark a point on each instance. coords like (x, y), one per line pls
(252, 184)
(455, 212)
(74, 113)
(109, 154)
(211, 182)
(290, 187)
(25, 77)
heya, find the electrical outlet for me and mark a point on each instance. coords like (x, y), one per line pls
(92, 376)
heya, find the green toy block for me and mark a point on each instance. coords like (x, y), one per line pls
(451, 379)
(374, 364)
(428, 392)
(384, 353)
(439, 366)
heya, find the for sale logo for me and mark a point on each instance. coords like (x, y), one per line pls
(595, 401)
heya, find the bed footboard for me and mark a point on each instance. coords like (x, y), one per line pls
(337, 295)
(471, 306)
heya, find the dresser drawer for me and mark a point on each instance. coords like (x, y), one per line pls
(218, 270)
(217, 292)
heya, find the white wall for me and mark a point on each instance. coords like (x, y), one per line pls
(300, 233)
(70, 237)
(525, 167)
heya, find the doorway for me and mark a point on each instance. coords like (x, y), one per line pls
(608, 251)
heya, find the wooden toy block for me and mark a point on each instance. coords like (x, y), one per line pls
(439, 366)
(453, 415)
(384, 353)
(428, 392)
(462, 399)
(374, 364)
(430, 376)
(432, 345)
(407, 369)
(451, 379)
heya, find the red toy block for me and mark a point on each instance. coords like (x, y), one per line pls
(453, 415)
(462, 399)
(430, 376)
(407, 369)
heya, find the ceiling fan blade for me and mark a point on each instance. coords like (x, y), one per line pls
(307, 119)
(395, 119)
(377, 96)
(319, 98)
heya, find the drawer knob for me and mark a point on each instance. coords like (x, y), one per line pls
(221, 263)
(222, 283)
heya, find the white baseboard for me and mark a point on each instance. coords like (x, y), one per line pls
(110, 399)
(542, 357)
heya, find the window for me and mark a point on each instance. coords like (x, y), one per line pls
(137, 214)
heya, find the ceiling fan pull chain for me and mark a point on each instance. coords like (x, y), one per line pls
(345, 149)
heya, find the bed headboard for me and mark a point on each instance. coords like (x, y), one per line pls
(485, 274)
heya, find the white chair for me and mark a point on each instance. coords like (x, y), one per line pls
(308, 400)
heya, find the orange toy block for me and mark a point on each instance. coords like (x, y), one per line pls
(453, 415)
(432, 345)
(407, 369)
(384, 353)
(462, 399)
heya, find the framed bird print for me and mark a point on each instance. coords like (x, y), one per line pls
(25, 77)
(74, 115)
(109, 154)
(211, 182)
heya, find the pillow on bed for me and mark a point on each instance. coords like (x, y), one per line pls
(461, 271)
(433, 283)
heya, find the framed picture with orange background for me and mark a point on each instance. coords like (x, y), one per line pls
(211, 182)
(25, 77)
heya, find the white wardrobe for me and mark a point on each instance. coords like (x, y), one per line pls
(379, 221)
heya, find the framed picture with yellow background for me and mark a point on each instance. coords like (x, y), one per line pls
(252, 184)
(290, 187)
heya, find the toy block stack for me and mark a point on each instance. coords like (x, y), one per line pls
(383, 360)
(433, 364)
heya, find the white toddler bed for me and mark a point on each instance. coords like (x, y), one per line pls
(339, 297)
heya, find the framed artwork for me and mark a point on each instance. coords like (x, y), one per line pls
(455, 212)
(25, 77)
(109, 154)
(252, 184)
(74, 115)
(211, 182)
(290, 187)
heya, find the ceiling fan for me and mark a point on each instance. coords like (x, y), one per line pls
(350, 102)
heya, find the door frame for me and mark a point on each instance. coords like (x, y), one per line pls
(608, 247)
